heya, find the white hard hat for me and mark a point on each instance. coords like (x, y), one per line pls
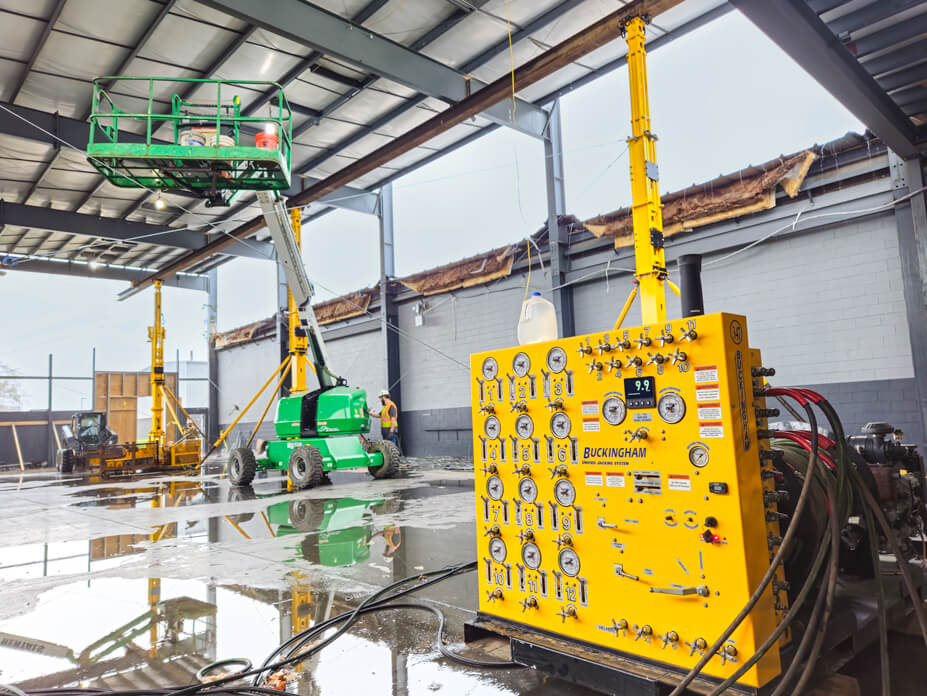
(383, 392)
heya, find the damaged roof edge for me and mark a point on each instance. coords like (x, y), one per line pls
(740, 193)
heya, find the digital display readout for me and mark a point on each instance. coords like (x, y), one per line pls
(640, 392)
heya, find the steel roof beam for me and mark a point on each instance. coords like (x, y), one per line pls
(113, 229)
(566, 52)
(802, 35)
(538, 23)
(333, 35)
(72, 268)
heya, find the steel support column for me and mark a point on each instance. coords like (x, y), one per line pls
(911, 221)
(389, 312)
(212, 306)
(558, 236)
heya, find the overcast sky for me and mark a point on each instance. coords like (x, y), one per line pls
(721, 98)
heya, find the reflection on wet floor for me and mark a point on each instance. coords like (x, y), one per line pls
(139, 582)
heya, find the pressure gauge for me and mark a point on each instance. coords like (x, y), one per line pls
(497, 549)
(490, 368)
(531, 555)
(564, 492)
(494, 487)
(524, 426)
(521, 364)
(560, 425)
(568, 560)
(556, 359)
(698, 455)
(528, 490)
(492, 427)
(671, 407)
(614, 410)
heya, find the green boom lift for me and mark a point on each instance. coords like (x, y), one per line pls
(207, 152)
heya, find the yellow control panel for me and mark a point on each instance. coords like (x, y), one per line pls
(621, 499)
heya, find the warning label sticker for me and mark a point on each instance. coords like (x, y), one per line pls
(707, 392)
(590, 408)
(708, 429)
(705, 373)
(678, 482)
(591, 425)
(709, 411)
(594, 478)
(614, 480)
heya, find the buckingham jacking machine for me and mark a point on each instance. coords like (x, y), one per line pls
(640, 527)
(208, 152)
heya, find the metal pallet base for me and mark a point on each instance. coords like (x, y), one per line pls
(606, 671)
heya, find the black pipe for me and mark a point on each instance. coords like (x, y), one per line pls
(690, 284)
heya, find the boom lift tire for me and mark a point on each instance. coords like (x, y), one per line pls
(64, 461)
(242, 466)
(307, 515)
(306, 467)
(390, 466)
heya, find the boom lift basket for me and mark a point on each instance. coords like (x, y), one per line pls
(205, 147)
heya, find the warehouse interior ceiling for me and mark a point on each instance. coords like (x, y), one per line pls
(869, 54)
(344, 106)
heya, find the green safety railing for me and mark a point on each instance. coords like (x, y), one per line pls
(232, 162)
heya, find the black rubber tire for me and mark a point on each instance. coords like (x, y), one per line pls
(305, 467)
(390, 466)
(242, 466)
(64, 461)
(237, 495)
(307, 514)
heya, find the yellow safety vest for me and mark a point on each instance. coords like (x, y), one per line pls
(387, 420)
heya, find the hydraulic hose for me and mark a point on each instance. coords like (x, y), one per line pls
(787, 541)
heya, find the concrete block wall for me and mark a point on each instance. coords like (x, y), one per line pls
(242, 371)
(826, 307)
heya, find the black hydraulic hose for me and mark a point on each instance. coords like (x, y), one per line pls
(884, 660)
(442, 575)
(824, 546)
(817, 623)
(300, 639)
(784, 548)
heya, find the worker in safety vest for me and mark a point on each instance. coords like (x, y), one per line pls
(389, 418)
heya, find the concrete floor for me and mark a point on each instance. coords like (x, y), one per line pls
(81, 560)
(242, 569)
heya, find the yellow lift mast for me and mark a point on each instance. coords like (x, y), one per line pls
(647, 210)
(299, 343)
(156, 336)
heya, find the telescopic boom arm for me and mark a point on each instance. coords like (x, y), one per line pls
(278, 222)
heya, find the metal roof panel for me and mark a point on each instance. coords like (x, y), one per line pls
(18, 36)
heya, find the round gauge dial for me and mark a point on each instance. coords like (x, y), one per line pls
(531, 555)
(671, 407)
(521, 364)
(556, 359)
(560, 425)
(528, 490)
(492, 427)
(568, 560)
(698, 455)
(490, 368)
(614, 410)
(524, 426)
(564, 492)
(494, 487)
(497, 549)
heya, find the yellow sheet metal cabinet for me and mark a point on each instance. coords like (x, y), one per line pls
(619, 491)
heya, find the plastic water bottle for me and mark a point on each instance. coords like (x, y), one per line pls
(538, 320)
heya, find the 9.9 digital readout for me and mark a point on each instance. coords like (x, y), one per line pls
(640, 392)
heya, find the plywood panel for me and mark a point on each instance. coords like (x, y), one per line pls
(117, 393)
